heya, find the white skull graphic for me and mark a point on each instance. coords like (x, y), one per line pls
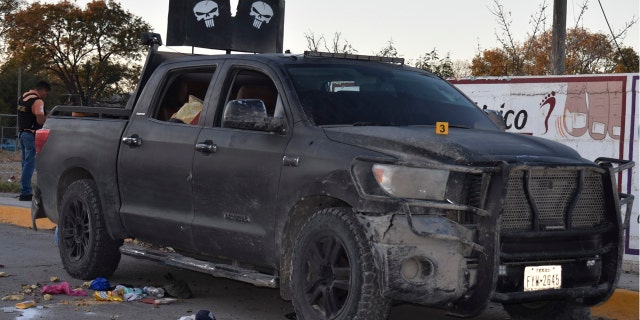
(206, 10)
(261, 12)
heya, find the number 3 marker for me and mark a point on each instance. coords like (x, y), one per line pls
(442, 127)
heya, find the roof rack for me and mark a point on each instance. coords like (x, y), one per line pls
(353, 57)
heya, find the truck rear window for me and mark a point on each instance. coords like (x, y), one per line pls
(375, 94)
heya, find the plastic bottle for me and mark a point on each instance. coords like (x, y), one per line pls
(153, 291)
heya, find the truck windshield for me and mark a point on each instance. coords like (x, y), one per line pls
(378, 94)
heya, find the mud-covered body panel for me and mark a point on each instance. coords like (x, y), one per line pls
(485, 206)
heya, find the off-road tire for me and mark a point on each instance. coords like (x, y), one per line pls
(86, 249)
(548, 310)
(333, 271)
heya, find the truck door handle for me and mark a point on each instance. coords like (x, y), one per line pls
(134, 140)
(206, 147)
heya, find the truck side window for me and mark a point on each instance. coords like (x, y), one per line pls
(182, 96)
(250, 84)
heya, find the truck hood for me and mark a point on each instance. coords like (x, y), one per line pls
(459, 146)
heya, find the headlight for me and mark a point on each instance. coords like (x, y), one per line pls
(413, 183)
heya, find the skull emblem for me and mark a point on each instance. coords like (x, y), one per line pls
(261, 12)
(206, 10)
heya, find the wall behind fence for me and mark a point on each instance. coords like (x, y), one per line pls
(594, 114)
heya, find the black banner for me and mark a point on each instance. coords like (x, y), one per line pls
(258, 26)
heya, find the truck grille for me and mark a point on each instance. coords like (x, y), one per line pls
(553, 199)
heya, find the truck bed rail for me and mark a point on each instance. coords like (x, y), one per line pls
(94, 112)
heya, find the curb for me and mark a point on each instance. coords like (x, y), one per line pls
(22, 217)
(623, 305)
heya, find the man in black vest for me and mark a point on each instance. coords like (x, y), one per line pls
(30, 118)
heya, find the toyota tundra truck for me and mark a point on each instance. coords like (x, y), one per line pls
(345, 181)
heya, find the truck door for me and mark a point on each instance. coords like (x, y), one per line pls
(236, 180)
(156, 155)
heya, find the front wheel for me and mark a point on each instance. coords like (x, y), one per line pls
(548, 310)
(86, 249)
(334, 275)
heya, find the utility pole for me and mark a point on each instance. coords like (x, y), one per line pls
(559, 37)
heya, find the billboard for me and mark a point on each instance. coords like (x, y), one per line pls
(593, 114)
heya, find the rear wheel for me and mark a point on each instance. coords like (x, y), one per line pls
(334, 275)
(548, 310)
(86, 249)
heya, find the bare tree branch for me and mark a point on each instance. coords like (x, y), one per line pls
(339, 45)
(313, 43)
(538, 22)
(583, 9)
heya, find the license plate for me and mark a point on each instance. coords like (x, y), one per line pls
(542, 278)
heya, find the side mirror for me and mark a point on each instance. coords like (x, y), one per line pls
(496, 118)
(250, 114)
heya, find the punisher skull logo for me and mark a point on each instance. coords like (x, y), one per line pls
(261, 12)
(206, 10)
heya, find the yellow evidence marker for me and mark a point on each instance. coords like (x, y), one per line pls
(442, 127)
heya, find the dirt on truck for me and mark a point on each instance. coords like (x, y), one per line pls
(345, 181)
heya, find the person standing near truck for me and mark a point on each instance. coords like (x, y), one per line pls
(31, 117)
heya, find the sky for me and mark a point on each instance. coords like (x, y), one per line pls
(458, 28)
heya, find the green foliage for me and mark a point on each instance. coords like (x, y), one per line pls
(389, 51)
(431, 62)
(88, 52)
(625, 60)
(9, 187)
(7, 7)
(9, 87)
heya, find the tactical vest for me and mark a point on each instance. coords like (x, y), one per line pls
(26, 118)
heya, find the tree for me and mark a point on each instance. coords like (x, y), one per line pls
(515, 52)
(625, 60)
(7, 7)
(9, 87)
(89, 52)
(590, 53)
(586, 52)
(337, 45)
(432, 63)
(492, 62)
(313, 43)
(389, 51)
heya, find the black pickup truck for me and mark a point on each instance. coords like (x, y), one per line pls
(347, 182)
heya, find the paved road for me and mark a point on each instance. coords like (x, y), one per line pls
(31, 258)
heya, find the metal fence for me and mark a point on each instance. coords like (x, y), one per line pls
(10, 167)
(8, 127)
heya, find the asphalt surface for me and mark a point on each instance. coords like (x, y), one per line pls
(31, 258)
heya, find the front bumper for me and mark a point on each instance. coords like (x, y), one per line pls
(427, 258)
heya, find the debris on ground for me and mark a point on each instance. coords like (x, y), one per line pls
(154, 301)
(63, 287)
(13, 297)
(201, 315)
(176, 287)
(25, 304)
(100, 284)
